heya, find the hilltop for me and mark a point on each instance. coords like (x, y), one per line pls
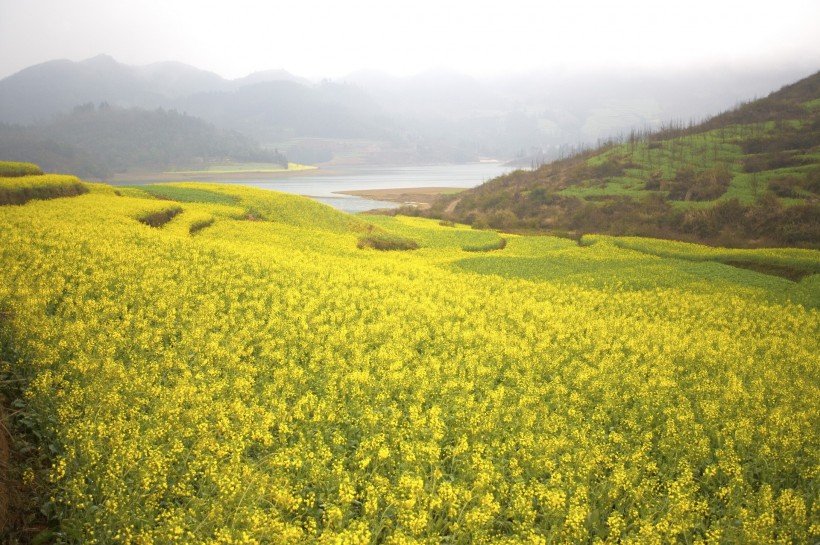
(747, 177)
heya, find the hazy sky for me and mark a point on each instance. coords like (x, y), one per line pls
(326, 38)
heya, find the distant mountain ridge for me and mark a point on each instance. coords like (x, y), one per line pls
(29, 95)
(434, 117)
(269, 109)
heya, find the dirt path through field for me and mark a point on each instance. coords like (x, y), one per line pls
(452, 206)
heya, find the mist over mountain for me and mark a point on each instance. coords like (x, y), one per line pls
(269, 75)
(99, 141)
(273, 110)
(436, 116)
(41, 91)
(547, 110)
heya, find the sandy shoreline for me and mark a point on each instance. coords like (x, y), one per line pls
(420, 196)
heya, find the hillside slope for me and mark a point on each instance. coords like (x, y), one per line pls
(749, 176)
(193, 363)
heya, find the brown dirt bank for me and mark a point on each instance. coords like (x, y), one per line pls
(420, 196)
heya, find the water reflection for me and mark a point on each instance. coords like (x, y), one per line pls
(324, 186)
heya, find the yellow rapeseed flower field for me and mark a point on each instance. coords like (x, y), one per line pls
(260, 379)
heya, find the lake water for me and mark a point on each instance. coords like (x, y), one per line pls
(323, 186)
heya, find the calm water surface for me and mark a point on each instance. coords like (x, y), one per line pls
(323, 187)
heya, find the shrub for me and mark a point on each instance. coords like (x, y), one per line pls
(502, 219)
(198, 226)
(812, 180)
(653, 183)
(706, 185)
(477, 220)
(384, 242)
(160, 217)
(785, 187)
(499, 244)
(609, 168)
(252, 214)
(769, 161)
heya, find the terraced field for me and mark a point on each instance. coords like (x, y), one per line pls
(244, 372)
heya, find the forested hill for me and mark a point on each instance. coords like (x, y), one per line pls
(96, 141)
(749, 176)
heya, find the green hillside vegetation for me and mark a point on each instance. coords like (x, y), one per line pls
(748, 177)
(184, 193)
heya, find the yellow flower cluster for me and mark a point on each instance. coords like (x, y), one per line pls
(21, 189)
(265, 381)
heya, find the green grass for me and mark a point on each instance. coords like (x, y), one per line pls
(429, 234)
(703, 151)
(180, 193)
(621, 186)
(748, 187)
(491, 247)
(812, 104)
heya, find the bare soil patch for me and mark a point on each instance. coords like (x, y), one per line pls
(421, 197)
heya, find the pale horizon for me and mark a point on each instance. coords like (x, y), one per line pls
(317, 39)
